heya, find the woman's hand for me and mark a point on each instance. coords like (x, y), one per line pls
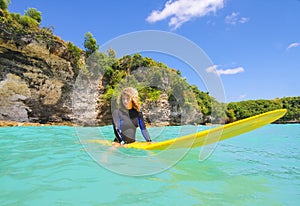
(116, 144)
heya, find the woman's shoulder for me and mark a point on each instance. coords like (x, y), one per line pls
(135, 113)
(116, 112)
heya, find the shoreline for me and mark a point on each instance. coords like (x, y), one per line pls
(4, 123)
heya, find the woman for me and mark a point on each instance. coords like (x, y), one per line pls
(128, 117)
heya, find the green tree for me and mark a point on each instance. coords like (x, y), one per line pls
(250, 108)
(203, 99)
(4, 4)
(230, 115)
(90, 44)
(34, 14)
(137, 62)
(292, 104)
(149, 62)
(28, 22)
(125, 63)
(111, 53)
(74, 53)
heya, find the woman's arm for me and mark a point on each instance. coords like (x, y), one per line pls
(117, 127)
(143, 127)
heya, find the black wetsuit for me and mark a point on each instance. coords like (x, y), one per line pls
(125, 123)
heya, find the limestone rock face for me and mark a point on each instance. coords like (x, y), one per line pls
(158, 112)
(35, 81)
(14, 92)
(164, 112)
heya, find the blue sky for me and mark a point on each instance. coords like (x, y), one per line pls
(254, 45)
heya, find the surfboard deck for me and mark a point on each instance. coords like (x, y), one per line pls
(209, 136)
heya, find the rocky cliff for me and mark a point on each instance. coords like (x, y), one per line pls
(37, 85)
(43, 81)
(36, 77)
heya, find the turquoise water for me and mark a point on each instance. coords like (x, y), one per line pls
(49, 166)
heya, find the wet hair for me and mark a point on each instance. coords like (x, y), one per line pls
(134, 96)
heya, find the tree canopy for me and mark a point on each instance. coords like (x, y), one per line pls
(90, 44)
(34, 14)
(4, 4)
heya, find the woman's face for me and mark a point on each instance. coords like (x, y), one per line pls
(127, 101)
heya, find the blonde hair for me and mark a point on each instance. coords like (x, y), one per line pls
(134, 96)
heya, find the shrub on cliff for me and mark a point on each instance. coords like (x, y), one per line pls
(4, 4)
(34, 14)
(15, 24)
(90, 44)
(74, 53)
(28, 22)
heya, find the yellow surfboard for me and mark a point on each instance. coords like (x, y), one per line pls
(206, 137)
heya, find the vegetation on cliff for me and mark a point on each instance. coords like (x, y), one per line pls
(21, 30)
(4, 4)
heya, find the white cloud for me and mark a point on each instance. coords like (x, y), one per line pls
(293, 45)
(181, 11)
(213, 69)
(242, 96)
(235, 18)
